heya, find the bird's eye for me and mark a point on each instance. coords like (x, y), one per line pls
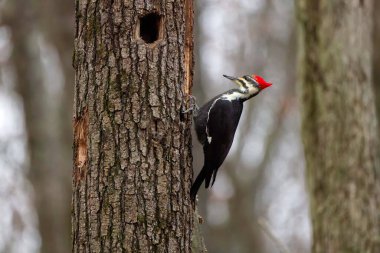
(251, 80)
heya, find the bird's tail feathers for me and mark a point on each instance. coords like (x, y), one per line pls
(198, 182)
(208, 179)
(214, 176)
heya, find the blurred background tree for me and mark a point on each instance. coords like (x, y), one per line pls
(339, 123)
(376, 57)
(41, 35)
(259, 201)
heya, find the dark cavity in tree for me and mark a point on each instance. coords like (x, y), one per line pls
(150, 25)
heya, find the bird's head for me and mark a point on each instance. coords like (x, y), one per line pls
(250, 84)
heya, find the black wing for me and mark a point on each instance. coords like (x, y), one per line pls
(201, 121)
(223, 119)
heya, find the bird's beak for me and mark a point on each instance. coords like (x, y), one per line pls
(234, 79)
(230, 77)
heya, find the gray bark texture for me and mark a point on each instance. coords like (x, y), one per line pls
(132, 146)
(339, 124)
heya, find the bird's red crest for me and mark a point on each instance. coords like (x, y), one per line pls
(261, 81)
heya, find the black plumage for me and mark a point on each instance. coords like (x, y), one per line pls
(216, 123)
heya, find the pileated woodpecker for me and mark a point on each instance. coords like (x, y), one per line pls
(216, 123)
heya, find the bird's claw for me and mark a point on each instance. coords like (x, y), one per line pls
(193, 106)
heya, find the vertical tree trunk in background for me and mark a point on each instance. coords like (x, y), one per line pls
(339, 124)
(132, 146)
(56, 20)
(376, 57)
(52, 197)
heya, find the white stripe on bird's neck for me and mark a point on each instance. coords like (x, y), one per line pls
(242, 93)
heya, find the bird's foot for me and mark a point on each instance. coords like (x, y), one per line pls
(193, 106)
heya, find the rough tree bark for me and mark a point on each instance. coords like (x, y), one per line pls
(132, 146)
(339, 124)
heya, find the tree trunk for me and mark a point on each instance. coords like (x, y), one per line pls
(132, 146)
(339, 124)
